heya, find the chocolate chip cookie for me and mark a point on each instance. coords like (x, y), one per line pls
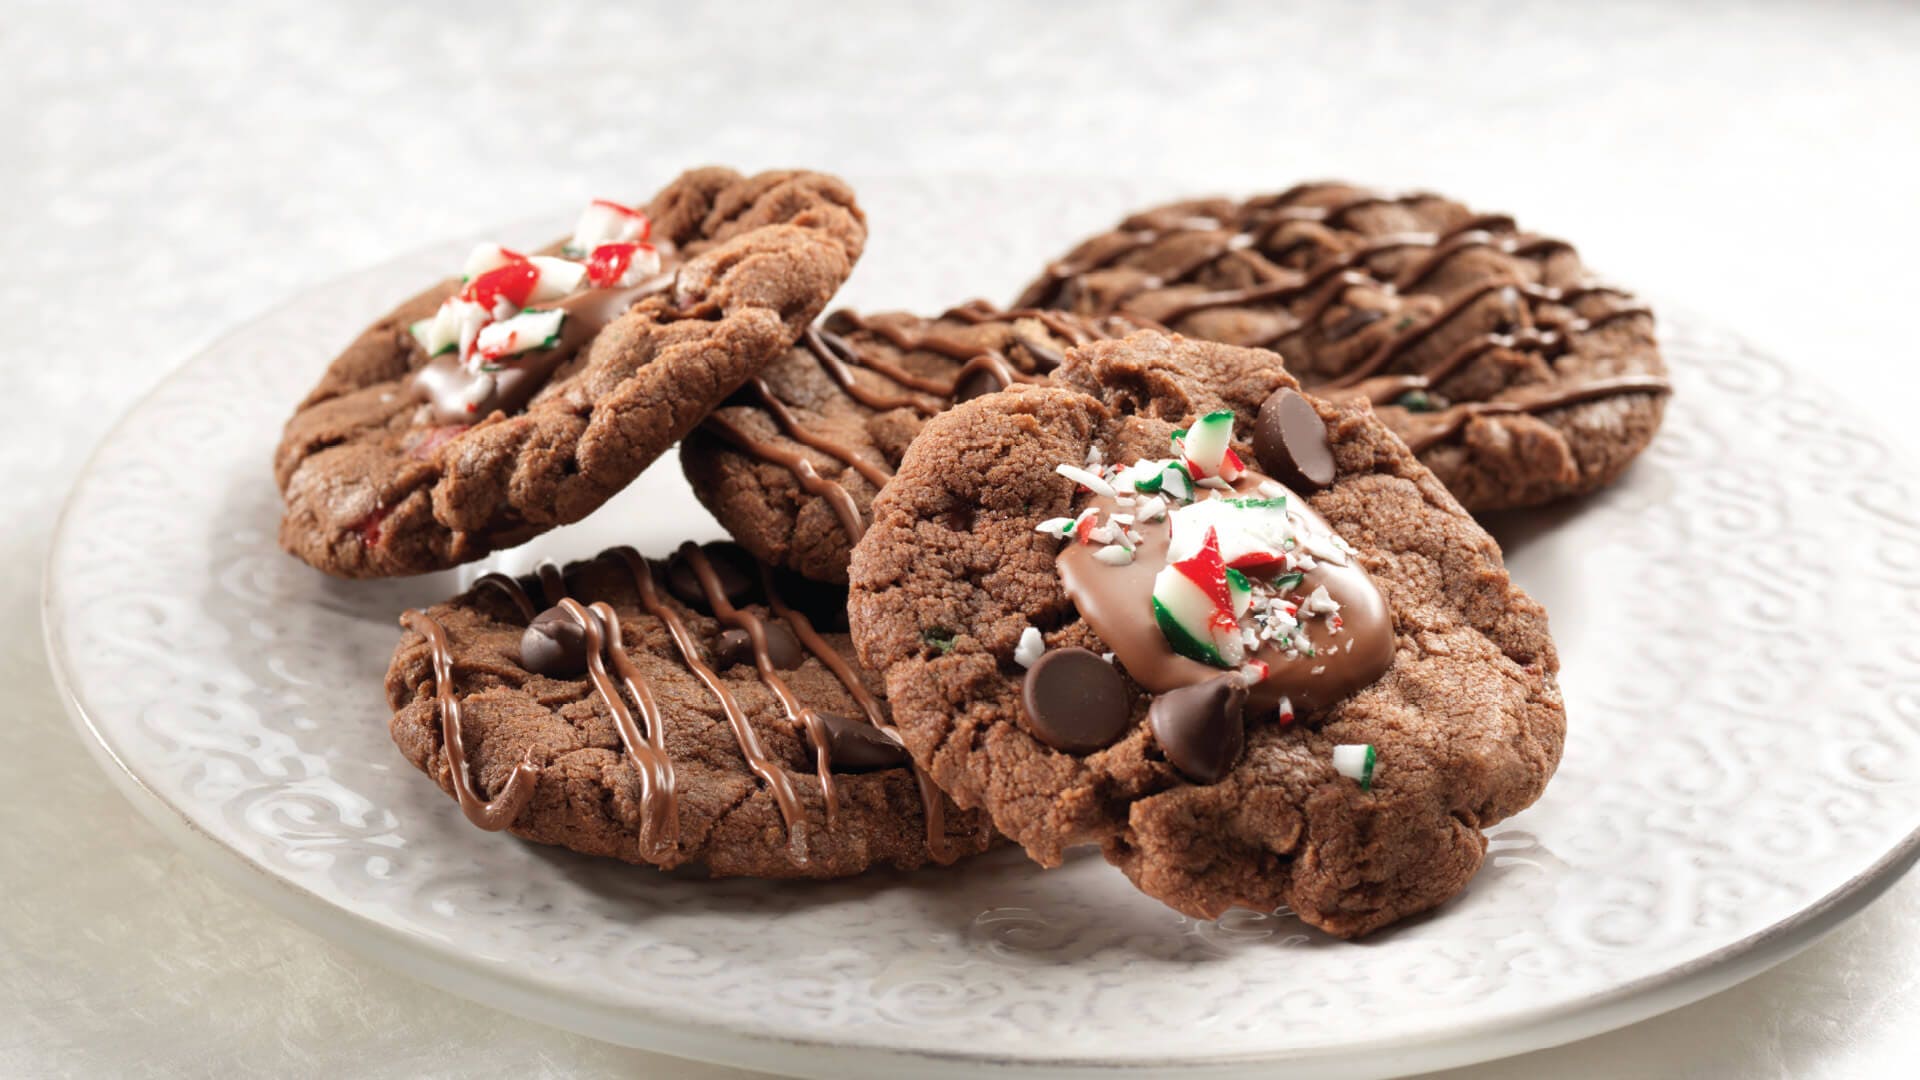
(523, 395)
(1490, 350)
(1237, 635)
(791, 463)
(686, 713)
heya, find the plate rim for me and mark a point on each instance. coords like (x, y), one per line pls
(689, 1036)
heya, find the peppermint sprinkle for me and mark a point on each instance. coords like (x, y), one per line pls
(1114, 555)
(1085, 479)
(1319, 603)
(1355, 762)
(1027, 652)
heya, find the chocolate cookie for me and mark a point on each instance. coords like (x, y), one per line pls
(1489, 350)
(671, 714)
(1099, 617)
(490, 409)
(790, 465)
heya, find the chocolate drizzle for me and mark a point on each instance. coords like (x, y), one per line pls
(1326, 284)
(503, 809)
(755, 753)
(1424, 430)
(756, 630)
(511, 587)
(809, 477)
(647, 751)
(932, 801)
(618, 681)
(982, 369)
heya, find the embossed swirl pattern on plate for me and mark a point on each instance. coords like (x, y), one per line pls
(1741, 744)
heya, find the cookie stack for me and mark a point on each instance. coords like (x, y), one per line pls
(1172, 557)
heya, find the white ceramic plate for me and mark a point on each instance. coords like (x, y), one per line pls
(1742, 770)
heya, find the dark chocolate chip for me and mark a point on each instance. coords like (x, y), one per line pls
(1075, 701)
(554, 645)
(783, 648)
(1045, 357)
(1202, 728)
(976, 382)
(730, 648)
(1290, 442)
(857, 746)
(731, 565)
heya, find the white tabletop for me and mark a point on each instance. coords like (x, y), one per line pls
(166, 178)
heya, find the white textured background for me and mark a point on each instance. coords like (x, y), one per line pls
(164, 178)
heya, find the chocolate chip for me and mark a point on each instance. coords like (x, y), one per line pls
(1290, 442)
(976, 382)
(857, 746)
(783, 648)
(1045, 358)
(554, 645)
(731, 565)
(730, 648)
(1202, 728)
(1075, 701)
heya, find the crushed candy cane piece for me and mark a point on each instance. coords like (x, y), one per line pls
(1355, 761)
(1031, 646)
(1085, 479)
(1206, 445)
(525, 332)
(1197, 603)
(607, 222)
(557, 278)
(1115, 555)
(488, 256)
(617, 266)
(1319, 603)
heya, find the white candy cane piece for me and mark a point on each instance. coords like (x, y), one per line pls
(1355, 761)
(454, 326)
(487, 256)
(604, 222)
(1085, 479)
(1027, 652)
(524, 332)
(558, 277)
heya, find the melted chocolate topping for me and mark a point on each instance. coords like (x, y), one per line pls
(1115, 601)
(459, 394)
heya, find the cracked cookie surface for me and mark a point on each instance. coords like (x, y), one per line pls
(376, 484)
(790, 464)
(1467, 718)
(1491, 350)
(688, 743)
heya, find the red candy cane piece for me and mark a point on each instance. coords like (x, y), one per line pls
(513, 283)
